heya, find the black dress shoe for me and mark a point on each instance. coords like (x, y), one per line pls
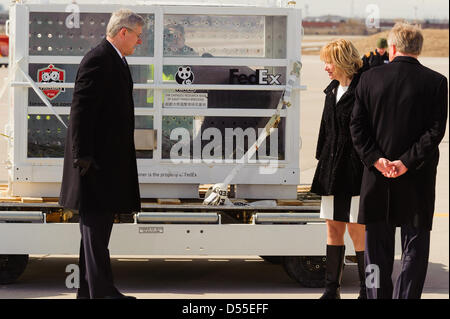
(331, 294)
(83, 294)
(121, 296)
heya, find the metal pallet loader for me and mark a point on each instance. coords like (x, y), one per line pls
(278, 234)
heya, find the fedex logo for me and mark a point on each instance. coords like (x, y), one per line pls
(260, 77)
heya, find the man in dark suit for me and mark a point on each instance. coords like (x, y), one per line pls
(396, 128)
(100, 172)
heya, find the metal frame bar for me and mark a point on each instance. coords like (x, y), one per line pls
(177, 217)
(22, 216)
(143, 86)
(286, 218)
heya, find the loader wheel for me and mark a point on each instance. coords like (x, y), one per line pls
(309, 271)
(11, 267)
(272, 259)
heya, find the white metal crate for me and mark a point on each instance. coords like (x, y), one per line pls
(240, 58)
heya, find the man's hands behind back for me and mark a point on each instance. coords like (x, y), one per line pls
(390, 169)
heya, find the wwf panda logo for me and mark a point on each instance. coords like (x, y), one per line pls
(50, 76)
(184, 75)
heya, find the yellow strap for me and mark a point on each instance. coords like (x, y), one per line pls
(4, 135)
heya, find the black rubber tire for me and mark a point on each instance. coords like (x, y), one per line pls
(11, 267)
(309, 271)
(277, 260)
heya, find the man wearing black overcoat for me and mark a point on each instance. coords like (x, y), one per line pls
(100, 172)
(396, 128)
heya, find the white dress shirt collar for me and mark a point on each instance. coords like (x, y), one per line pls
(118, 52)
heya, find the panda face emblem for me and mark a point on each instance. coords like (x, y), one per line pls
(45, 77)
(184, 75)
(54, 76)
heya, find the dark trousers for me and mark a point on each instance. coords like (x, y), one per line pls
(96, 279)
(380, 244)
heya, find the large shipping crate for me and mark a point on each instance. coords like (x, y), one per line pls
(206, 81)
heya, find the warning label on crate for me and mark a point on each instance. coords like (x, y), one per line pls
(168, 174)
(186, 100)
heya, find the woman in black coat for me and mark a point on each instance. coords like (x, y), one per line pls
(339, 170)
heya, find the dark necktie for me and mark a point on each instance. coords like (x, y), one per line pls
(124, 61)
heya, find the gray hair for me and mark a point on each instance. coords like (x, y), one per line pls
(406, 37)
(123, 18)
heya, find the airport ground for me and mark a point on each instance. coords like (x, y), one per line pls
(230, 277)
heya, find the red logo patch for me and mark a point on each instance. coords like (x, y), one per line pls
(51, 74)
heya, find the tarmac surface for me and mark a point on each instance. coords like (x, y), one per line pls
(224, 277)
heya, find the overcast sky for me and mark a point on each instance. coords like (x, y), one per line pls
(407, 9)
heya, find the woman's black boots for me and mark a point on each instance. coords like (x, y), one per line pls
(362, 275)
(333, 273)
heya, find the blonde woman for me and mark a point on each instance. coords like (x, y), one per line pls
(338, 174)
